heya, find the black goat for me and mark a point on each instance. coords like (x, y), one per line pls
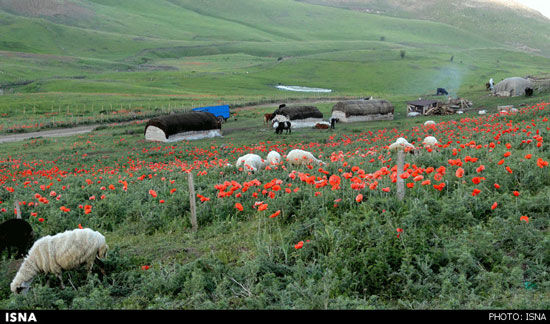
(16, 232)
(283, 126)
(528, 92)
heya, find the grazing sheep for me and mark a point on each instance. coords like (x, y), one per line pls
(63, 251)
(273, 158)
(429, 123)
(18, 233)
(401, 144)
(280, 126)
(251, 162)
(300, 157)
(430, 141)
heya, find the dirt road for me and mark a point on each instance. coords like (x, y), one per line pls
(58, 132)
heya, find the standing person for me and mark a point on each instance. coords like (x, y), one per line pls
(492, 84)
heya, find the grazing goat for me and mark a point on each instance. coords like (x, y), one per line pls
(333, 122)
(63, 251)
(267, 118)
(280, 126)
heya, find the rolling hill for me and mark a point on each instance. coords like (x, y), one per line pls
(241, 49)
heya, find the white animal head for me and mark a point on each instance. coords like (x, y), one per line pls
(21, 288)
(429, 123)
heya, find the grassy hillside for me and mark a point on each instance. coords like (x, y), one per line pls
(515, 26)
(108, 55)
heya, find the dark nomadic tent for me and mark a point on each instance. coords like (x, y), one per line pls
(192, 121)
(298, 112)
(363, 110)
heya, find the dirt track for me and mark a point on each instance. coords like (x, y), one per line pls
(58, 132)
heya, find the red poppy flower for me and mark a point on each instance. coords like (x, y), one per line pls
(299, 245)
(275, 214)
(239, 206)
(359, 198)
(399, 231)
(494, 206)
(524, 218)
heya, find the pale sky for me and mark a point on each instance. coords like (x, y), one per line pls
(542, 6)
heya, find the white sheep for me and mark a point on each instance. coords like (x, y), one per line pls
(482, 112)
(273, 158)
(251, 162)
(301, 157)
(430, 141)
(429, 123)
(63, 251)
(400, 144)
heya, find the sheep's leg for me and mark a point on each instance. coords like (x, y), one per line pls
(71, 281)
(61, 280)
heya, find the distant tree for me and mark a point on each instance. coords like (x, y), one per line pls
(402, 53)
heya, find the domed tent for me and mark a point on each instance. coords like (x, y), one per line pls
(299, 116)
(362, 110)
(185, 126)
(512, 87)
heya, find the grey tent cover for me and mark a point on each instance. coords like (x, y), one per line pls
(516, 86)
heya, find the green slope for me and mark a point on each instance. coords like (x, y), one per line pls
(238, 49)
(515, 27)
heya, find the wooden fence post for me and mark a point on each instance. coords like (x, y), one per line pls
(400, 181)
(17, 210)
(192, 201)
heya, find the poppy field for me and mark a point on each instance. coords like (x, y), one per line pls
(472, 231)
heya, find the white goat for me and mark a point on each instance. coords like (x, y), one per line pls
(301, 157)
(63, 251)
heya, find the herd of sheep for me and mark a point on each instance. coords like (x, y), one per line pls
(71, 249)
